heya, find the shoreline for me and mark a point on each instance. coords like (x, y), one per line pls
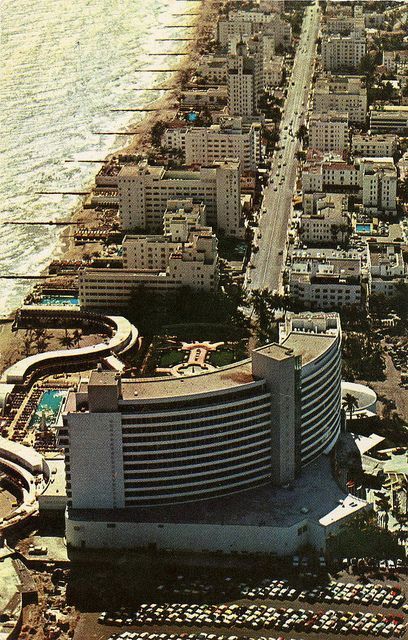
(167, 106)
(65, 246)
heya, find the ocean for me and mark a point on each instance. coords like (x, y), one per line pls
(64, 66)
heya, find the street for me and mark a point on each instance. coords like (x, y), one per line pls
(277, 200)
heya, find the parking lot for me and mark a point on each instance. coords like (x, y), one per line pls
(200, 607)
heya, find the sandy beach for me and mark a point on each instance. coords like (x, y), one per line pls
(166, 105)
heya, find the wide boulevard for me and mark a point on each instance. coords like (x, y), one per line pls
(271, 236)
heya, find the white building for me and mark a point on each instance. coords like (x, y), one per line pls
(342, 93)
(373, 146)
(273, 71)
(215, 97)
(231, 138)
(329, 131)
(327, 224)
(319, 174)
(186, 255)
(379, 184)
(325, 278)
(386, 267)
(343, 52)
(144, 191)
(172, 453)
(247, 23)
(213, 69)
(389, 119)
(242, 83)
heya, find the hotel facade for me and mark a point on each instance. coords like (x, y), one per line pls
(136, 446)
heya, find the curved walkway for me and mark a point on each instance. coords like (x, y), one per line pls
(124, 337)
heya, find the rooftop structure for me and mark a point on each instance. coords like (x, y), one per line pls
(374, 145)
(325, 278)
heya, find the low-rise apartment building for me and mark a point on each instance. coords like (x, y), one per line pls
(231, 138)
(213, 69)
(389, 119)
(216, 97)
(273, 71)
(343, 93)
(325, 278)
(386, 267)
(145, 189)
(374, 145)
(325, 174)
(327, 222)
(329, 131)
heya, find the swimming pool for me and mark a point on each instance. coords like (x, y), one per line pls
(64, 300)
(49, 406)
(363, 228)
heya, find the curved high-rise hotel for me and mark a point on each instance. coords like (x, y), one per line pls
(137, 447)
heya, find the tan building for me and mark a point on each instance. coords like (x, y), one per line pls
(273, 71)
(346, 94)
(379, 184)
(374, 146)
(343, 51)
(144, 191)
(319, 174)
(247, 23)
(231, 138)
(329, 131)
(213, 69)
(242, 82)
(326, 224)
(215, 97)
(187, 256)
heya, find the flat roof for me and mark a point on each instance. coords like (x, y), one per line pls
(314, 495)
(309, 346)
(151, 388)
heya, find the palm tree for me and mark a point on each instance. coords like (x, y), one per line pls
(77, 337)
(66, 340)
(28, 342)
(350, 403)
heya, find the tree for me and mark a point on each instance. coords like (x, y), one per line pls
(157, 132)
(28, 342)
(350, 403)
(77, 337)
(41, 339)
(67, 340)
(301, 132)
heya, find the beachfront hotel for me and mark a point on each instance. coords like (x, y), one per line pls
(144, 191)
(185, 256)
(196, 462)
(231, 138)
